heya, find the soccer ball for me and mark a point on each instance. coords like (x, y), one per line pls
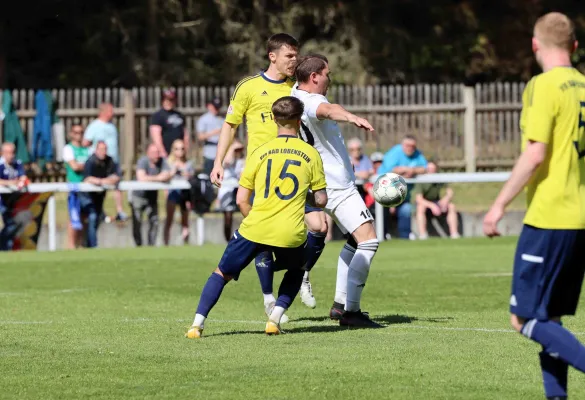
(390, 190)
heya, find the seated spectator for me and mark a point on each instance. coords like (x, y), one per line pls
(75, 155)
(361, 163)
(429, 203)
(233, 165)
(101, 170)
(11, 174)
(376, 159)
(181, 168)
(406, 160)
(149, 168)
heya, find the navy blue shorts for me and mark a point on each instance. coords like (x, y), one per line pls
(309, 209)
(241, 251)
(548, 273)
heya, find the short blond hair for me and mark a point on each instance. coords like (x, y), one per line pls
(555, 30)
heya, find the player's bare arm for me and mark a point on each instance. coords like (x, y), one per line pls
(337, 113)
(243, 200)
(317, 199)
(525, 167)
(226, 137)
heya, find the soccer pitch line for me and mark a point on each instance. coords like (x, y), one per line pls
(291, 324)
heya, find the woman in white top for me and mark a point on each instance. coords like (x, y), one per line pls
(181, 168)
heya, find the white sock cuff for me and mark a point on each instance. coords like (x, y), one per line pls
(371, 245)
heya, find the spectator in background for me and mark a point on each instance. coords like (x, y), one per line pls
(233, 165)
(208, 129)
(168, 125)
(149, 168)
(75, 155)
(429, 203)
(11, 174)
(180, 169)
(406, 160)
(361, 163)
(376, 159)
(100, 169)
(102, 129)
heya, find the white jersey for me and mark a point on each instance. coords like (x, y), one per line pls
(326, 137)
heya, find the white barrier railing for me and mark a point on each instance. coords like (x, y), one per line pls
(180, 184)
(478, 177)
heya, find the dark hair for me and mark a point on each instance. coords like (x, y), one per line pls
(276, 41)
(308, 64)
(409, 137)
(287, 108)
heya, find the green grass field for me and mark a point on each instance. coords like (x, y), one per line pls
(110, 324)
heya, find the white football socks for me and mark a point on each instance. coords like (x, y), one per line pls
(357, 275)
(268, 299)
(276, 314)
(306, 277)
(199, 320)
(343, 262)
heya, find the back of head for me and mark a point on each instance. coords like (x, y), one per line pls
(287, 112)
(276, 41)
(312, 63)
(555, 30)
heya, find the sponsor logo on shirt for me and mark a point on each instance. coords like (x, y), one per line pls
(230, 110)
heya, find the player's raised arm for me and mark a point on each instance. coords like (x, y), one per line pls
(337, 113)
(312, 74)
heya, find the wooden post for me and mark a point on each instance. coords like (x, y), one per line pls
(469, 128)
(129, 133)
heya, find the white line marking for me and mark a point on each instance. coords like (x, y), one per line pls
(290, 324)
(41, 292)
(25, 322)
(491, 274)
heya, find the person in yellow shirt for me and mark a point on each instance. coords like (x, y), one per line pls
(280, 172)
(549, 263)
(253, 98)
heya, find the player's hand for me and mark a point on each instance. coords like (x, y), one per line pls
(436, 210)
(362, 123)
(217, 175)
(392, 210)
(490, 222)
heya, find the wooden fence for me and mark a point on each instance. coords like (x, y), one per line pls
(466, 128)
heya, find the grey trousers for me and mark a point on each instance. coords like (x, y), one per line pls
(139, 206)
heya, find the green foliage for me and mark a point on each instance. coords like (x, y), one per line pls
(209, 42)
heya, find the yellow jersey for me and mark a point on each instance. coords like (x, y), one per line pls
(280, 172)
(254, 97)
(553, 112)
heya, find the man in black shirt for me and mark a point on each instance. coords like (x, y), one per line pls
(100, 169)
(168, 125)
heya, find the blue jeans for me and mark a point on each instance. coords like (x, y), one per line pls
(93, 218)
(404, 215)
(8, 232)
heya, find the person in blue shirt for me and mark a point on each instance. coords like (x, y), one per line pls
(406, 160)
(208, 129)
(11, 174)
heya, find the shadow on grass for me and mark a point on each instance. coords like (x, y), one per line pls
(385, 320)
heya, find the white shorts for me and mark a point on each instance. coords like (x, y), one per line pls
(347, 208)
